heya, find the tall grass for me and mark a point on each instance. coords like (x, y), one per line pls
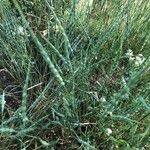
(74, 78)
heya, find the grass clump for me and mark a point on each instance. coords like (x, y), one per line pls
(74, 78)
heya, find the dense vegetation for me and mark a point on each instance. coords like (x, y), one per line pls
(75, 74)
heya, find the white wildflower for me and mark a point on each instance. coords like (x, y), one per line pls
(131, 58)
(20, 30)
(103, 99)
(96, 57)
(56, 28)
(130, 55)
(44, 33)
(139, 59)
(140, 55)
(108, 131)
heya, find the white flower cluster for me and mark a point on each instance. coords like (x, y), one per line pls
(130, 55)
(138, 59)
(21, 30)
(103, 99)
(108, 131)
